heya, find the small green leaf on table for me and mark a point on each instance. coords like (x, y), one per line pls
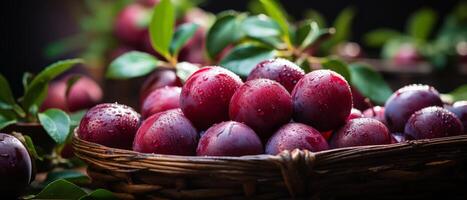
(99, 194)
(69, 175)
(181, 36)
(243, 58)
(370, 83)
(185, 70)
(56, 123)
(132, 64)
(61, 189)
(37, 90)
(161, 27)
(224, 31)
(337, 66)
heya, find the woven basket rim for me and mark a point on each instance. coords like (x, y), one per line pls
(266, 156)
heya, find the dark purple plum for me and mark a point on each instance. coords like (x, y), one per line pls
(407, 54)
(15, 167)
(161, 77)
(278, 69)
(360, 132)
(322, 99)
(433, 122)
(406, 101)
(296, 136)
(229, 139)
(128, 26)
(460, 110)
(168, 132)
(110, 124)
(359, 101)
(161, 99)
(262, 104)
(206, 96)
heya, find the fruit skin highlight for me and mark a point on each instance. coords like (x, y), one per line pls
(229, 139)
(206, 96)
(281, 70)
(161, 99)
(262, 104)
(406, 101)
(296, 136)
(110, 124)
(168, 132)
(433, 122)
(15, 167)
(375, 112)
(322, 99)
(360, 132)
(460, 110)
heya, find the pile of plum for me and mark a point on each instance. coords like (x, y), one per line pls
(279, 107)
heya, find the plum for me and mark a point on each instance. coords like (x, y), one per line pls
(159, 78)
(359, 101)
(296, 136)
(83, 94)
(168, 132)
(149, 3)
(229, 139)
(355, 113)
(206, 95)
(460, 110)
(433, 122)
(375, 112)
(262, 104)
(407, 100)
(322, 99)
(281, 70)
(348, 50)
(128, 24)
(110, 124)
(360, 132)
(407, 54)
(16, 169)
(161, 99)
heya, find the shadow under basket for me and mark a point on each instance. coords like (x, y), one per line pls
(411, 170)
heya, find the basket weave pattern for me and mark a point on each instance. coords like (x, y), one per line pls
(368, 171)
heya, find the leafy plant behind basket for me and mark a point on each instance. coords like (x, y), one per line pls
(25, 109)
(238, 41)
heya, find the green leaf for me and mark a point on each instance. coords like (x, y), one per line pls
(161, 27)
(26, 80)
(99, 194)
(421, 23)
(183, 33)
(393, 45)
(27, 142)
(459, 93)
(223, 32)
(185, 70)
(6, 121)
(309, 32)
(7, 101)
(316, 16)
(343, 28)
(243, 58)
(337, 66)
(370, 83)
(132, 64)
(263, 29)
(61, 189)
(77, 116)
(274, 11)
(69, 175)
(56, 123)
(37, 89)
(378, 37)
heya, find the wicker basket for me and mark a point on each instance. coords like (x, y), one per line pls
(411, 170)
